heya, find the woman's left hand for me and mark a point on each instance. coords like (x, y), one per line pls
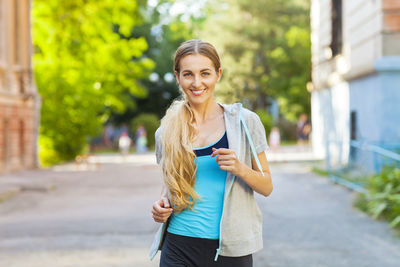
(227, 160)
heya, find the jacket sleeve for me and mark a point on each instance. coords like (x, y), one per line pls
(157, 136)
(257, 132)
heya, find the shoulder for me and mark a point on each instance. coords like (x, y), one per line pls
(250, 117)
(158, 131)
(158, 134)
(234, 108)
(248, 113)
(158, 147)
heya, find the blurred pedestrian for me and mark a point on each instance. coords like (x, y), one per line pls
(275, 139)
(141, 139)
(108, 135)
(124, 143)
(303, 130)
(207, 207)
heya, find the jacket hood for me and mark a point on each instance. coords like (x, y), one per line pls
(231, 108)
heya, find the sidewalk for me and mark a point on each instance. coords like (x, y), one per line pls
(44, 179)
(292, 153)
(310, 222)
(100, 216)
(13, 183)
(16, 182)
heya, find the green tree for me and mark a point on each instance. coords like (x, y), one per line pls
(265, 50)
(164, 32)
(86, 66)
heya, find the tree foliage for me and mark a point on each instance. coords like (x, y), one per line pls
(164, 32)
(86, 66)
(265, 50)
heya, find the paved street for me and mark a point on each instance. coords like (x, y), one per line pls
(99, 215)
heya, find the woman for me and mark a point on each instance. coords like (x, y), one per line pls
(207, 207)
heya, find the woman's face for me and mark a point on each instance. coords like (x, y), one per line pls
(197, 78)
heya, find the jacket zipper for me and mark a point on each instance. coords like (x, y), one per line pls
(220, 223)
(229, 190)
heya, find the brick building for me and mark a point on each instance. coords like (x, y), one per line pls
(19, 101)
(356, 74)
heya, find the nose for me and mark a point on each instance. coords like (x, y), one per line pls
(196, 81)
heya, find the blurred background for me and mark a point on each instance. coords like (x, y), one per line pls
(84, 84)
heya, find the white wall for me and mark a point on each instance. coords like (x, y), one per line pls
(362, 26)
(330, 120)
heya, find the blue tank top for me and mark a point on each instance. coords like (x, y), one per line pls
(204, 220)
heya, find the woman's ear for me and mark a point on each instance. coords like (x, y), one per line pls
(219, 73)
(176, 76)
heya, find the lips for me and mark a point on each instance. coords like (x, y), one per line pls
(198, 92)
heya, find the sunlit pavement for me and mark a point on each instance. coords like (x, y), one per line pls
(292, 153)
(98, 214)
(90, 217)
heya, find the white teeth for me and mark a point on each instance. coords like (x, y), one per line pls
(198, 92)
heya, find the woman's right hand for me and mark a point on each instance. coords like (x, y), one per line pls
(161, 210)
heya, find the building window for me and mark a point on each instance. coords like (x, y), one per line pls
(336, 41)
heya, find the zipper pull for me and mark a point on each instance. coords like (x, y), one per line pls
(216, 255)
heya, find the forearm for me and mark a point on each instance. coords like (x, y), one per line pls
(259, 183)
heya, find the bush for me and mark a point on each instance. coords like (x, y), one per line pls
(150, 122)
(382, 199)
(47, 155)
(64, 148)
(266, 119)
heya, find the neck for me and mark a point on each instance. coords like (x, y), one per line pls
(206, 111)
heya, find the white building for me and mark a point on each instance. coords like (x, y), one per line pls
(356, 73)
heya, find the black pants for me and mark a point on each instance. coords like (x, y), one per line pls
(183, 251)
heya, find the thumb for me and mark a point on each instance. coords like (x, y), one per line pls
(165, 202)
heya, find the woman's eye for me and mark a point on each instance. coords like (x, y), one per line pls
(205, 73)
(186, 74)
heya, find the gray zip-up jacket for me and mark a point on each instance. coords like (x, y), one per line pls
(241, 221)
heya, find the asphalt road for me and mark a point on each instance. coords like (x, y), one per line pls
(100, 216)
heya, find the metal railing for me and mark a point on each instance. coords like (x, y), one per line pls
(351, 164)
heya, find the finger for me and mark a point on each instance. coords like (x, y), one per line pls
(225, 151)
(160, 216)
(225, 160)
(159, 210)
(226, 163)
(221, 151)
(161, 203)
(162, 210)
(226, 167)
(226, 157)
(159, 219)
(165, 202)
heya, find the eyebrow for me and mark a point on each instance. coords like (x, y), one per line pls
(207, 69)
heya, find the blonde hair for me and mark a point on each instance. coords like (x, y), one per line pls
(179, 162)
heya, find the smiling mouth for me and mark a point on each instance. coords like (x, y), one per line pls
(197, 92)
